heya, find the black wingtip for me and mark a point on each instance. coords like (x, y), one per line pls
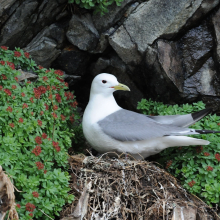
(200, 114)
(207, 131)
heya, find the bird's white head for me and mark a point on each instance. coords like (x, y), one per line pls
(106, 84)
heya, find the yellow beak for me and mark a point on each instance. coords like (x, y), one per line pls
(121, 87)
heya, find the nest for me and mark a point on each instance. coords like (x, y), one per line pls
(107, 188)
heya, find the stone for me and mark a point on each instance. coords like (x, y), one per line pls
(82, 33)
(159, 19)
(196, 46)
(115, 14)
(44, 47)
(124, 47)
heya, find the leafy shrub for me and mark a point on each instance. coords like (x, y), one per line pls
(197, 167)
(99, 6)
(35, 131)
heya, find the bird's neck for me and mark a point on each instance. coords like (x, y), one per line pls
(101, 106)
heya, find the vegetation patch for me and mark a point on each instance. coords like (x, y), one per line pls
(196, 166)
(35, 133)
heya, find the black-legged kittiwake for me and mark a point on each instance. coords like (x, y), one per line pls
(109, 128)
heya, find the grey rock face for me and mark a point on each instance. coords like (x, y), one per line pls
(159, 19)
(82, 33)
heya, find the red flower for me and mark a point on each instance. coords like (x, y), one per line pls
(38, 140)
(192, 183)
(54, 115)
(13, 86)
(30, 207)
(42, 89)
(47, 107)
(4, 48)
(217, 157)
(39, 165)
(2, 62)
(18, 205)
(26, 54)
(169, 163)
(57, 149)
(61, 80)
(40, 67)
(54, 87)
(32, 99)
(66, 84)
(9, 109)
(45, 78)
(48, 88)
(58, 97)
(21, 120)
(4, 77)
(12, 125)
(55, 107)
(7, 91)
(199, 149)
(55, 144)
(209, 168)
(16, 78)
(63, 117)
(206, 154)
(35, 194)
(25, 105)
(39, 122)
(50, 97)
(47, 71)
(13, 97)
(17, 54)
(41, 112)
(11, 65)
(36, 150)
(44, 136)
(45, 171)
(32, 113)
(28, 82)
(37, 93)
(1, 87)
(58, 72)
(74, 104)
(31, 214)
(72, 118)
(23, 94)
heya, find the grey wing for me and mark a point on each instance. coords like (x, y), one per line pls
(126, 125)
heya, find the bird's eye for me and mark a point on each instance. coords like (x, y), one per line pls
(104, 81)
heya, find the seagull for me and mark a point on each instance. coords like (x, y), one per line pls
(109, 128)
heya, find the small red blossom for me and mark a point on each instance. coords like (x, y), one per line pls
(20, 120)
(4, 77)
(17, 54)
(39, 165)
(45, 171)
(45, 78)
(36, 150)
(58, 72)
(57, 149)
(169, 163)
(7, 91)
(54, 115)
(32, 99)
(50, 97)
(69, 95)
(199, 149)
(44, 136)
(9, 109)
(192, 183)
(61, 80)
(40, 67)
(30, 207)
(72, 118)
(206, 154)
(217, 157)
(48, 88)
(35, 194)
(58, 97)
(38, 140)
(1, 87)
(54, 87)
(55, 107)
(66, 84)
(41, 113)
(209, 168)
(32, 113)
(28, 82)
(37, 93)
(25, 105)
(47, 71)
(63, 117)
(18, 206)
(47, 106)
(2, 62)
(4, 48)
(39, 122)
(11, 65)
(218, 124)
(12, 125)
(27, 55)
(13, 97)
(42, 89)
(23, 94)
(55, 144)
(16, 78)
(14, 87)
(74, 104)
(49, 139)
(31, 214)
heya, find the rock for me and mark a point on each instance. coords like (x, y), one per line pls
(171, 63)
(82, 33)
(17, 28)
(181, 213)
(160, 19)
(124, 47)
(26, 75)
(72, 61)
(103, 23)
(201, 83)
(44, 47)
(196, 46)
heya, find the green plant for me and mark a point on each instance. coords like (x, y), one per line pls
(98, 6)
(197, 167)
(35, 134)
